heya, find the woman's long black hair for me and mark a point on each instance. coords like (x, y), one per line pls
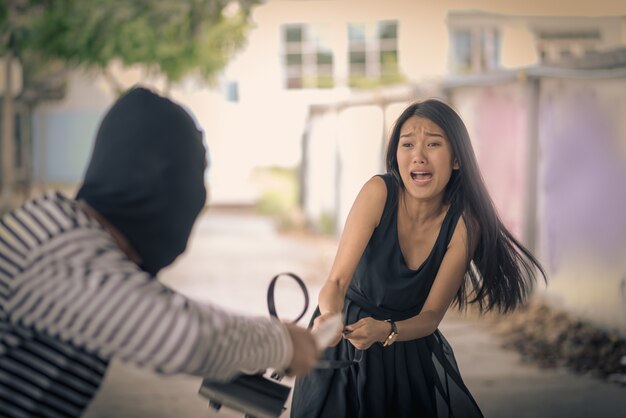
(503, 271)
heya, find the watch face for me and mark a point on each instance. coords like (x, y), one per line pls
(390, 339)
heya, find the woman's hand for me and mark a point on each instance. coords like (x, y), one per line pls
(365, 332)
(319, 320)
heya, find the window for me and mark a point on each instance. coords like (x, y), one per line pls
(462, 51)
(231, 91)
(554, 46)
(475, 49)
(489, 49)
(307, 57)
(373, 53)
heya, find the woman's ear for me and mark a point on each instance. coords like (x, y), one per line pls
(455, 164)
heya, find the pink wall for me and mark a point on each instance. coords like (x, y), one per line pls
(496, 120)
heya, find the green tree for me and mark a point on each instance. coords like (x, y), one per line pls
(174, 38)
(170, 37)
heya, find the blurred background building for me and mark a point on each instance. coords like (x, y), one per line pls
(299, 119)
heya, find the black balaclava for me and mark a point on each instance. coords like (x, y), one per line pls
(146, 175)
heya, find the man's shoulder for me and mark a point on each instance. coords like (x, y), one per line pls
(42, 219)
(53, 197)
(53, 227)
(52, 207)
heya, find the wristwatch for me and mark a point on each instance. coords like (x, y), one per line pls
(391, 338)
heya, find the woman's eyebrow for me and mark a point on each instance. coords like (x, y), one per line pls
(435, 134)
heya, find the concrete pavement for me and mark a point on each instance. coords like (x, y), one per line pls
(231, 258)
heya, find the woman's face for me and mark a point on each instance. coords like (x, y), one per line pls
(425, 159)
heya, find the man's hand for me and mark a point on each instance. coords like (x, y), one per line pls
(319, 320)
(365, 332)
(305, 352)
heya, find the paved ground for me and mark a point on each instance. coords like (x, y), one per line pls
(232, 257)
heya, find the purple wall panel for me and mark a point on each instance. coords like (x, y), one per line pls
(583, 179)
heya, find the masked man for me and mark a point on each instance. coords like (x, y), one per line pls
(78, 276)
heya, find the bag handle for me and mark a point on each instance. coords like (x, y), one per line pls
(271, 306)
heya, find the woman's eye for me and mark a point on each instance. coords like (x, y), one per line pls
(434, 144)
(407, 145)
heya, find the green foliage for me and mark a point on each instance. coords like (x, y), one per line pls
(327, 223)
(279, 190)
(173, 37)
(279, 196)
(318, 81)
(364, 82)
(390, 74)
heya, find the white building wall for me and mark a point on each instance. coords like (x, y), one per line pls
(320, 181)
(360, 142)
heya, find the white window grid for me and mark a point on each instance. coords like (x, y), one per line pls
(373, 47)
(312, 42)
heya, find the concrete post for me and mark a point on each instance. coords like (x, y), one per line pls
(529, 236)
(8, 139)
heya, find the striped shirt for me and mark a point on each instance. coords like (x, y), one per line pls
(70, 300)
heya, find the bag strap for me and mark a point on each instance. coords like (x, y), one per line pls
(271, 306)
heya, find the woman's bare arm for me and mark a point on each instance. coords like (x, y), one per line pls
(360, 224)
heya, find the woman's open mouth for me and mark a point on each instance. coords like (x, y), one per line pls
(421, 177)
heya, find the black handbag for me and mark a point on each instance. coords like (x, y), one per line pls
(256, 396)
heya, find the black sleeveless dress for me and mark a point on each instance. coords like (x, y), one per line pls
(417, 378)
